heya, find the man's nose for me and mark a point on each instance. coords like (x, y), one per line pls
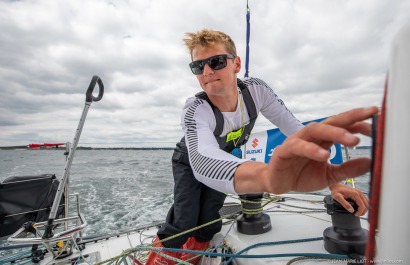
(208, 70)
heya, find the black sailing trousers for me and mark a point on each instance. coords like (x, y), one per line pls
(194, 204)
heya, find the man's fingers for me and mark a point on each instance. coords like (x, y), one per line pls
(351, 168)
(319, 132)
(361, 202)
(298, 147)
(348, 118)
(364, 206)
(361, 127)
(313, 140)
(339, 197)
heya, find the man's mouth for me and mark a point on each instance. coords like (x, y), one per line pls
(211, 81)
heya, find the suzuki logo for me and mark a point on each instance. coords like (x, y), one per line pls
(255, 143)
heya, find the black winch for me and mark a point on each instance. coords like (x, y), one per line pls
(253, 221)
(346, 236)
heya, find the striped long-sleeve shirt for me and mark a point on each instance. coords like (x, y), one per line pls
(211, 165)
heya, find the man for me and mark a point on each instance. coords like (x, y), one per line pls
(218, 121)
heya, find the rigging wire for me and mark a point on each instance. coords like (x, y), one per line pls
(248, 36)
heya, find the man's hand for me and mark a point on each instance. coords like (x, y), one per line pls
(342, 192)
(300, 163)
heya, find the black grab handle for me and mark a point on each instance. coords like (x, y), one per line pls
(89, 95)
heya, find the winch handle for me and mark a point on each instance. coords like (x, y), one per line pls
(48, 233)
(89, 95)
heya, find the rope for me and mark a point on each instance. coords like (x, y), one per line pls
(290, 211)
(160, 252)
(276, 199)
(274, 243)
(150, 247)
(259, 210)
(19, 256)
(315, 217)
(265, 201)
(155, 249)
(239, 254)
(196, 228)
(33, 211)
(309, 258)
(127, 252)
(300, 207)
(304, 200)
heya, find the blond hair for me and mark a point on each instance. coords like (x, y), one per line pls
(207, 38)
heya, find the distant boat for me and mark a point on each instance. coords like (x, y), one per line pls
(47, 145)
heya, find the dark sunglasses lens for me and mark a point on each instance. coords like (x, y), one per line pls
(217, 62)
(197, 67)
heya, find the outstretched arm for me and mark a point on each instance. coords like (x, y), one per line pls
(300, 163)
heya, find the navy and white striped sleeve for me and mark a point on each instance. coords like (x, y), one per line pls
(272, 107)
(211, 165)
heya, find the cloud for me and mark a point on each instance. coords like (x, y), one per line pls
(320, 57)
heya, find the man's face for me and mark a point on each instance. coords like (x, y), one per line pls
(217, 82)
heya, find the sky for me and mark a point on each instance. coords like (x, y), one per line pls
(321, 57)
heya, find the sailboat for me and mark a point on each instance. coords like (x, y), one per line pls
(258, 229)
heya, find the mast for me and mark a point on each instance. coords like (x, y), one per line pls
(394, 216)
(248, 36)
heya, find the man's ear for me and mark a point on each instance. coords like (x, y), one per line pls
(237, 62)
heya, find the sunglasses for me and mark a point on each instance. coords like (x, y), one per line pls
(215, 62)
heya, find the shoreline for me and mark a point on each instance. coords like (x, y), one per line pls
(84, 148)
(24, 147)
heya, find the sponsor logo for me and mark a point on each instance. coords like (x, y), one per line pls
(256, 151)
(255, 142)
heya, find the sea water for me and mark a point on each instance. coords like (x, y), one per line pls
(119, 189)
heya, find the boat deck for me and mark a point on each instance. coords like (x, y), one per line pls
(297, 225)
